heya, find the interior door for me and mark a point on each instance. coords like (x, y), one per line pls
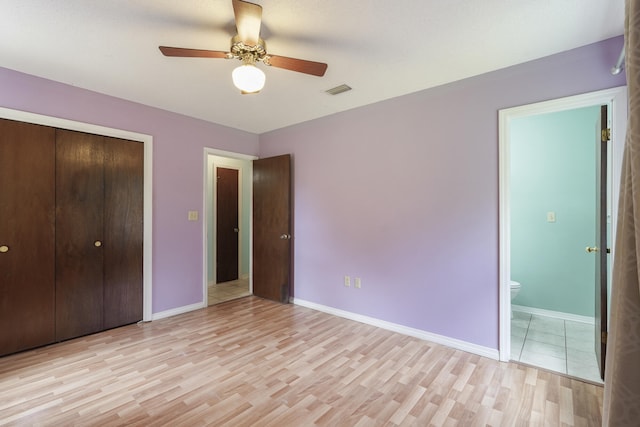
(79, 233)
(27, 256)
(272, 228)
(123, 231)
(226, 224)
(600, 249)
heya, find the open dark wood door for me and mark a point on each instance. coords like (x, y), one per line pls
(600, 249)
(272, 228)
(27, 256)
(226, 224)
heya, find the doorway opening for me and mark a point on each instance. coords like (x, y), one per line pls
(228, 226)
(528, 319)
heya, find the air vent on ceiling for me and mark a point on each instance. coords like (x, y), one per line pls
(338, 89)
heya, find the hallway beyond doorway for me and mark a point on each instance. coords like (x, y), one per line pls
(227, 291)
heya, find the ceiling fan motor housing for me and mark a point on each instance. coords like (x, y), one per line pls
(248, 54)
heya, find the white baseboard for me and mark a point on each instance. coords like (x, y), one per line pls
(417, 333)
(178, 310)
(554, 314)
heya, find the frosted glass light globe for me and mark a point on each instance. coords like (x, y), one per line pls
(248, 78)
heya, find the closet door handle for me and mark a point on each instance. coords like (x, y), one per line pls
(4, 248)
(97, 243)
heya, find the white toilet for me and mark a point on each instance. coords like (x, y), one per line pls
(515, 288)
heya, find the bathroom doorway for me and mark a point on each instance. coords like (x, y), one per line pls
(547, 205)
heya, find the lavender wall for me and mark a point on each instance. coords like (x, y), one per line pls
(177, 170)
(404, 194)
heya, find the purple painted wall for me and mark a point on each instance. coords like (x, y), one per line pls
(404, 194)
(178, 143)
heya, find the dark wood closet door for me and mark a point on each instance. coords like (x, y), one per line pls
(27, 258)
(227, 231)
(79, 233)
(123, 231)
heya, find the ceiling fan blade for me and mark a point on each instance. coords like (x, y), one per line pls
(191, 53)
(299, 65)
(248, 21)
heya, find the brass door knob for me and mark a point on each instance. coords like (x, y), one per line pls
(4, 248)
(590, 249)
(97, 243)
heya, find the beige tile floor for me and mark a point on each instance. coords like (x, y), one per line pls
(558, 345)
(227, 291)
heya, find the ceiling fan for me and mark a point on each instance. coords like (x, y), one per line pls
(248, 47)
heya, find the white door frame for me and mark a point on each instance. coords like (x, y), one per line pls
(147, 140)
(616, 98)
(214, 158)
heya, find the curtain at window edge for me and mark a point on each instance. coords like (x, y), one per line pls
(622, 370)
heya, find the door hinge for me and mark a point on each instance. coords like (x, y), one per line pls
(605, 135)
(604, 337)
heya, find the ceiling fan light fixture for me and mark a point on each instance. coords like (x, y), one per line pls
(248, 47)
(248, 78)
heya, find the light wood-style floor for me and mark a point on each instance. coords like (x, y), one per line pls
(227, 291)
(252, 362)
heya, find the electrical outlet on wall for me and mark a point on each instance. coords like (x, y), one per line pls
(358, 282)
(347, 281)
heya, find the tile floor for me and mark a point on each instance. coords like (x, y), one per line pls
(555, 344)
(227, 291)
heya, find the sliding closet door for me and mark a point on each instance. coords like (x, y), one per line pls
(123, 231)
(27, 198)
(79, 233)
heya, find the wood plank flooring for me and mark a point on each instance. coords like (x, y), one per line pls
(252, 362)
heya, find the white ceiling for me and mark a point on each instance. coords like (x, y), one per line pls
(381, 48)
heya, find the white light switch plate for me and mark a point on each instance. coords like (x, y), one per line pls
(551, 217)
(193, 215)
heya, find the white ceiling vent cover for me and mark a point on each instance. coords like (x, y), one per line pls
(338, 89)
